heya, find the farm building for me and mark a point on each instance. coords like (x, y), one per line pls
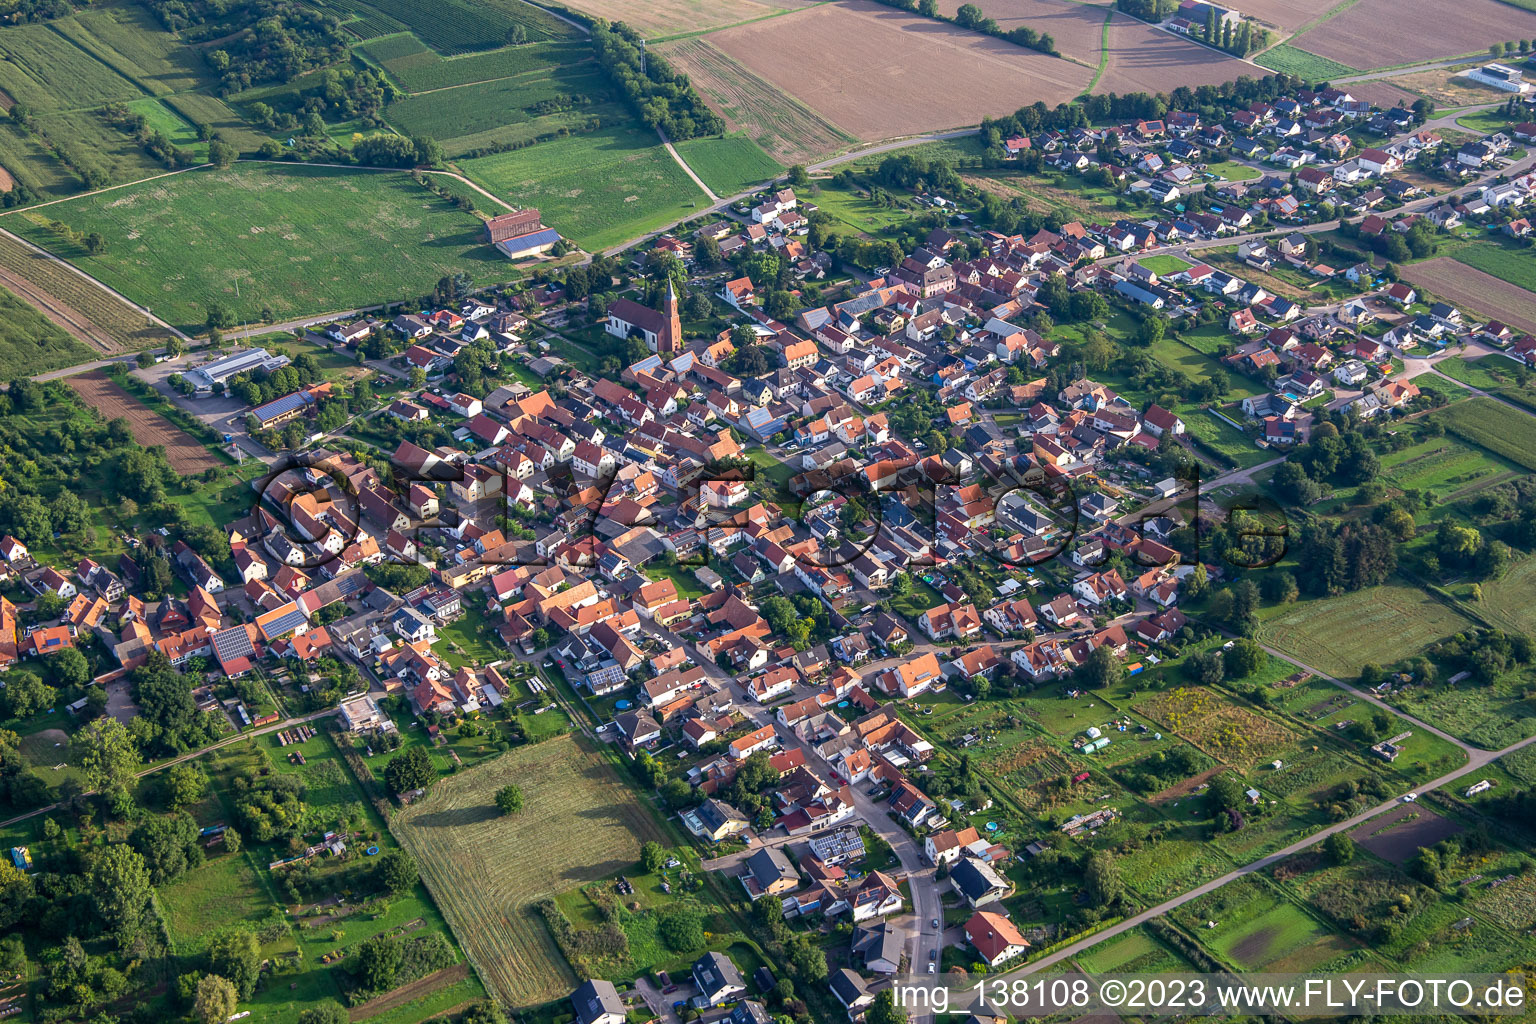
(222, 371)
(520, 234)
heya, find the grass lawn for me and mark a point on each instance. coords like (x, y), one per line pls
(1233, 171)
(1483, 121)
(487, 871)
(599, 189)
(863, 214)
(254, 238)
(1224, 438)
(688, 588)
(1164, 265)
(1381, 625)
(729, 164)
(466, 640)
(1293, 60)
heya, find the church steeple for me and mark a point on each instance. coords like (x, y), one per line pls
(671, 338)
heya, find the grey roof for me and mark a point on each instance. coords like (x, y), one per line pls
(974, 878)
(879, 941)
(594, 998)
(749, 1012)
(848, 986)
(768, 865)
(715, 972)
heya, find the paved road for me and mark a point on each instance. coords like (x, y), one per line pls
(926, 905)
(1479, 759)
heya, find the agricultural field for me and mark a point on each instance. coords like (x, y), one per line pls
(186, 454)
(785, 128)
(1291, 60)
(730, 164)
(580, 823)
(468, 117)
(1354, 37)
(128, 39)
(1289, 14)
(453, 26)
(44, 71)
(1507, 600)
(1495, 426)
(1486, 279)
(662, 18)
(598, 189)
(1380, 625)
(31, 343)
(1077, 28)
(963, 75)
(419, 69)
(1445, 466)
(1142, 58)
(1383, 92)
(1132, 952)
(299, 239)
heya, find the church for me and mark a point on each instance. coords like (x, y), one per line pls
(662, 331)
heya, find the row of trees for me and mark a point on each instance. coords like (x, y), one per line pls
(663, 98)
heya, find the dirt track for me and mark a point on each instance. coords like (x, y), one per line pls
(408, 992)
(65, 316)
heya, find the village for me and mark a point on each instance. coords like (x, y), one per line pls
(796, 568)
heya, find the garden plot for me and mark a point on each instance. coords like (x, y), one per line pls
(1205, 718)
(1399, 834)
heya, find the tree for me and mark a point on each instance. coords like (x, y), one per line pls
(235, 954)
(682, 929)
(397, 872)
(1207, 667)
(1243, 658)
(232, 841)
(509, 799)
(221, 153)
(1225, 794)
(378, 962)
(24, 694)
(652, 857)
(1339, 848)
(1102, 879)
(169, 845)
(68, 668)
(409, 770)
(1102, 670)
(884, 1010)
(120, 891)
(108, 757)
(327, 1012)
(215, 1001)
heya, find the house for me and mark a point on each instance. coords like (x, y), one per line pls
(978, 882)
(1401, 294)
(597, 1002)
(995, 937)
(879, 946)
(851, 991)
(718, 980)
(877, 895)
(769, 873)
(1159, 421)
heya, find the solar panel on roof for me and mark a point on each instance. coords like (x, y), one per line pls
(230, 644)
(285, 623)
